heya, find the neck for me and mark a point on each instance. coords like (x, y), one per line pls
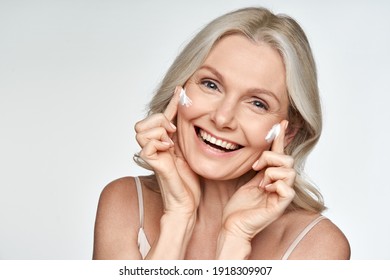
(216, 194)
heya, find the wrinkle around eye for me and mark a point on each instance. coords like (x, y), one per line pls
(261, 105)
(210, 85)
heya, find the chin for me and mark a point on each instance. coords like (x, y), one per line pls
(218, 173)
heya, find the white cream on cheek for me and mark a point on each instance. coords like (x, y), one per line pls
(184, 99)
(273, 133)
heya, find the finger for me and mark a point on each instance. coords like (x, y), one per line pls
(255, 181)
(269, 158)
(171, 110)
(274, 174)
(151, 150)
(278, 143)
(155, 120)
(157, 133)
(285, 192)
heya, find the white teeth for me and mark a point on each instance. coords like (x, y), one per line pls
(226, 145)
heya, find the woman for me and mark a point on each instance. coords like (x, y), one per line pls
(221, 188)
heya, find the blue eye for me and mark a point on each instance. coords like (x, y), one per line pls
(210, 85)
(259, 104)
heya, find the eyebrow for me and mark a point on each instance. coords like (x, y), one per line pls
(213, 70)
(251, 90)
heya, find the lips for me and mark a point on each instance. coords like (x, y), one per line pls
(217, 143)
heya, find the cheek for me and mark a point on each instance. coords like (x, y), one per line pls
(256, 133)
(199, 106)
(187, 113)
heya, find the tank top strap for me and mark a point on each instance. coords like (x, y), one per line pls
(140, 201)
(299, 238)
(143, 243)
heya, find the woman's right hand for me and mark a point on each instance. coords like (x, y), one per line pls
(178, 183)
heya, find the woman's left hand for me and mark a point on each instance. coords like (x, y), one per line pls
(265, 197)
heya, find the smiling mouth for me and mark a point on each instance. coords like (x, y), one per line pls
(219, 144)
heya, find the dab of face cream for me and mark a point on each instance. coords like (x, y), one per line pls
(184, 99)
(273, 133)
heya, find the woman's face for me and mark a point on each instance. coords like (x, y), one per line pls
(237, 95)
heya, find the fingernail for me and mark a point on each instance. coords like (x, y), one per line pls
(273, 133)
(173, 126)
(261, 183)
(255, 164)
(286, 125)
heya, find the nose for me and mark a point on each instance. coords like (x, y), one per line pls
(224, 115)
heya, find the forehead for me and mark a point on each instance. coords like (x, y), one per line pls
(244, 63)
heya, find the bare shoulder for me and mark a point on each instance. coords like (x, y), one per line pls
(325, 241)
(120, 195)
(116, 225)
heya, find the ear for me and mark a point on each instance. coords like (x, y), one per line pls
(292, 130)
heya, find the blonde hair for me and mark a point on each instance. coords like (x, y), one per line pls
(286, 36)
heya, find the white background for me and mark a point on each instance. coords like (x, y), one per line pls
(76, 75)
